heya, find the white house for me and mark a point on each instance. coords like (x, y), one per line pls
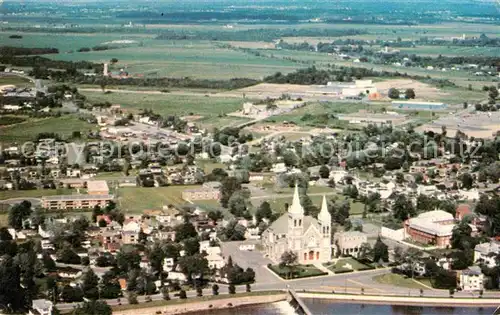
(486, 252)
(41, 307)
(471, 279)
(168, 264)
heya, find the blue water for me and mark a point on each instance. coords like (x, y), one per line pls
(328, 307)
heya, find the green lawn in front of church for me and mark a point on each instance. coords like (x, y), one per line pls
(297, 271)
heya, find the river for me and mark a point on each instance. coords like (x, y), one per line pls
(328, 307)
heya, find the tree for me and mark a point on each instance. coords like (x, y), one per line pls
(193, 265)
(288, 261)
(264, 211)
(11, 292)
(410, 94)
(403, 208)
(70, 294)
(185, 230)
(18, 213)
(393, 93)
(132, 298)
(182, 294)
(324, 171)
(156, 257)
(89, 284)
(93, 308)
(248, 287)
(165, 294)
(493, 92)
(412, 257)
(467, 180)
(231, 289)
(380, 251)
(68, 256)
(228, 186)
(365, 251)
(215, 216)
(199, 291)
(215, 289)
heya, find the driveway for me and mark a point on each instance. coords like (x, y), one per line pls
(250, 259)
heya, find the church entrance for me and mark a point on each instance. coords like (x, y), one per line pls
(311, 255)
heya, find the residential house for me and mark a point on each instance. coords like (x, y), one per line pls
(130, 232)
(470, 279)
(486, 253)
(41, 307)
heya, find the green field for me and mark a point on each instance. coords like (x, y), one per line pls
(398, 281)
(199, 59)
(170, 104)
(28, 130)
(299, 271)
(435, 51)
(138, 199)
(338, 266)
(34, 193)
(15, 80)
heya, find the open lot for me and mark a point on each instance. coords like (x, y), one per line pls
(170, 104)
(28, 130)
(138, 199)
(474, 124)
(34, 193)
(398, 281)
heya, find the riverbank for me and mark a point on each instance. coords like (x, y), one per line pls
(202, 303)
(403, 300)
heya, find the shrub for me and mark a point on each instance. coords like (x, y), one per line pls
(182, 294)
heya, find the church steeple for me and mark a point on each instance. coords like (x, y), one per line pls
(324, 215)
(296, 207)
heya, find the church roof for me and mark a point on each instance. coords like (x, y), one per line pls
(280, 226)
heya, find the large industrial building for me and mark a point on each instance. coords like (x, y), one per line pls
(418, 105)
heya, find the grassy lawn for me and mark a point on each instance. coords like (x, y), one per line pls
(138, 199)
(339, 265)
(299, 271)
(34, 193)
(169, 104)
(398, 281)
(193, 300)
(14, 80)
(28, 130)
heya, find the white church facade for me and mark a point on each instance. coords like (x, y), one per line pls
(308, 237)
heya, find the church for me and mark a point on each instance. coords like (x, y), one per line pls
(308, 237)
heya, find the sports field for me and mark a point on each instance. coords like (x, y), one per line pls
(138, 199)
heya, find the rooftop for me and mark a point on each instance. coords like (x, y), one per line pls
(97, 185)
(77, 197)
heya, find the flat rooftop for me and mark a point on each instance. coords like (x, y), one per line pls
(97, 185)
(77, 197)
